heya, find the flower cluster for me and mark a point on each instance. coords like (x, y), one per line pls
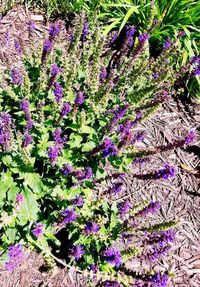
(113, 256)
(15, 254)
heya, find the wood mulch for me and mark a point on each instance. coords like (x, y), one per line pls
(179, 197)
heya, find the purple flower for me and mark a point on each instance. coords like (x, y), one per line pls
(77, 252)
(54, 30)
(143, 37)
(109, 148)
(65, 109)
(17, 46)
(124, 207)
(27, 139)
(181, 33)
(166, 172)
(103, 74)
(38, 229)
(15, 254)
(138, 137)
(16, 77)
(152, 207)
(130, 30)
(85, 31)
(156, 280)
(58, 92)
(47, 46)
(24, 106)
(69, 215)
(109, 283)
(91, 228)
(57, 136)
(113, 256)
(88, 172)
(167, 44)
(114, 37)
(159, 280)
(29, 124)
(161, 238)
(78, 201)
(94, 268)
(154, 253)
(53, 153)
(119, 114)
(66, 169)
(19, 198)
(79, 100)
(118, 187)
(190, 137)
(55, 70)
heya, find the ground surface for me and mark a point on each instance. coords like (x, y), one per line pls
(180, 197)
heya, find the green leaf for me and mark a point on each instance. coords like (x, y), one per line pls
(88, 146)
(7, 160)
(75, 141)
(11, 235)
(132, 10)
(87, 130)
(111, 26)
(29, 208)
(33, 181)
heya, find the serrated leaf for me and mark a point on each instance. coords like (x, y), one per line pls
(75, 141)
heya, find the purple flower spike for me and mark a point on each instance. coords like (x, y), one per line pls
(65, 109)
(103, 74)
(85, 31)
(109, 148)
(94, 268)
(143, 37)
(77, 252)
(27, 139)
(124, 207)
(166, 172)
(190, 137)
(16, 77)
(38, 229)
(130, 30)
(151, 208)
(78, 201)
(58, 92)
(167, 44)
(47, 46)
(69, 215)
(91, 228)
(55, 70)
(18, 47)
(88, 173)
(15, 254)
(79, 100)
(53, 152)
(66, 169)
(118, 187)
(54, 30)
(24, 105)
(113, 256)
(109, 283)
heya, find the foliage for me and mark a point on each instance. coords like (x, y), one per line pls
(66, 113)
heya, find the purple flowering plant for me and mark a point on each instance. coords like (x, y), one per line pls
(57, 137)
